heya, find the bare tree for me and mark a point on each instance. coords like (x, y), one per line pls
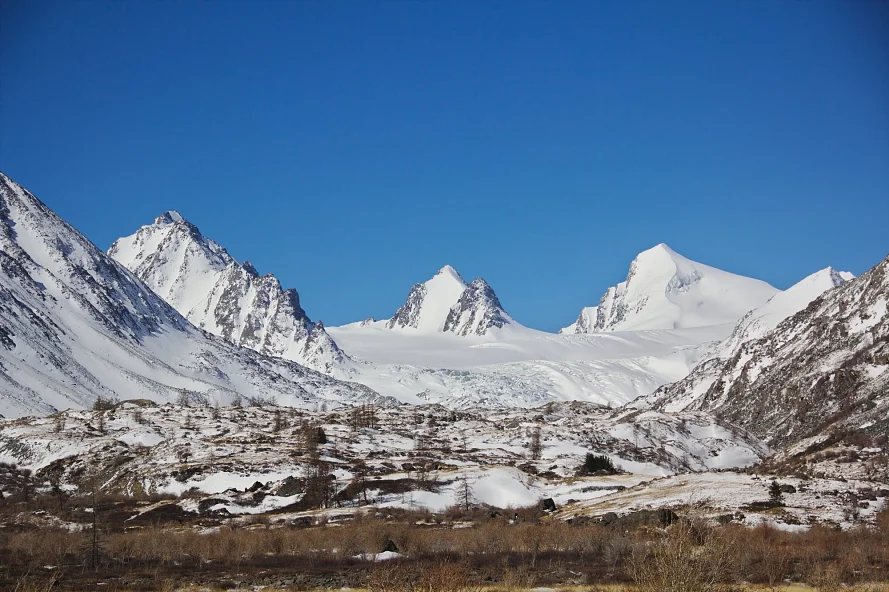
(535, 446)
(361, 472)
(363, 416)
(320, 489)
(465, 494)
(280, 423)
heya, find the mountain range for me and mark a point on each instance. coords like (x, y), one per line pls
(168, 313)
(75, 325)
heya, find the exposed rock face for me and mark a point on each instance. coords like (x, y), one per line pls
(215, 292)
(75, 324)
(477, 311)
(823, 368)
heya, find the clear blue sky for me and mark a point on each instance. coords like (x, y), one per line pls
(353, 148)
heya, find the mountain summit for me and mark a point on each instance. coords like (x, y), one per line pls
(664, 290)
(205, 284)
(477, 310)
(445, 303)
(429, 303)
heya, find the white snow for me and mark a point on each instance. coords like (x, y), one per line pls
(782, 305)
(664, 290)
(442, 292)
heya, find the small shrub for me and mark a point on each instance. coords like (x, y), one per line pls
(597, 463)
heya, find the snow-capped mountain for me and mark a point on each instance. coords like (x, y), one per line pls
(477, 310)
(429, 303)
(206, 285)
(827, 366)
(445, 303)
(664, 290)
(75, 324)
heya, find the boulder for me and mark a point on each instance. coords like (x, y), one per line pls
(290, 486)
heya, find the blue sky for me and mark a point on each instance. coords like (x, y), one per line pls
(353, 148)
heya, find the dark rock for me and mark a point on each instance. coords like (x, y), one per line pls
(205, 504)
(528, 468)
(256, 487)
(290, 486)
(787, 488)
(185, 474)
(667, 517)
(548, 505)
(390, 547)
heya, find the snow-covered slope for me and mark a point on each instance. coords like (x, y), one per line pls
(520, 367)
(664, 290)
(763, 319)
(825, 367)
(216, 293)
(75, 324)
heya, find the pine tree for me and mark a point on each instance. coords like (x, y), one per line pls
(776, 496)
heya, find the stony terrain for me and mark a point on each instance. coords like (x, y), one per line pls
(822, 369)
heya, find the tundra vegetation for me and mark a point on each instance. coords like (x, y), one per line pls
(120, 546)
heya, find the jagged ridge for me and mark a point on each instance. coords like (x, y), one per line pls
(215, 292)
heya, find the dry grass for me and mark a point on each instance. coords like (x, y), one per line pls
(688, 556)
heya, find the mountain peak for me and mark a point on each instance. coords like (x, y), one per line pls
(250, 269)
(659, 254)
(477, 310)
(210, 288)
(664, 290)
(428, 303)
(169, 217)
(479, 283)
(447, 270)
(837, 277)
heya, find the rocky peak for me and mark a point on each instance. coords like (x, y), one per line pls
(428, 303)
(170, 217)
(230, 299)
(477, 311)
(251, 271)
